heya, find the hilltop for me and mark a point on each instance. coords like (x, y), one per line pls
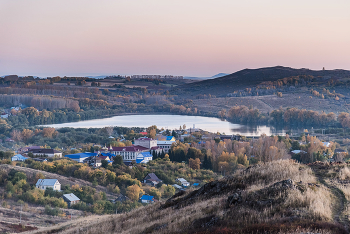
(248, 78)
(277, 197)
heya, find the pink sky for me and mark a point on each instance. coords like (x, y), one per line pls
(178, 37)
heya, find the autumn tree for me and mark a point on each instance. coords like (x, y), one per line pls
(16, 135)
(133, 192)
(195, 164)
(49, 132)
(27, 134)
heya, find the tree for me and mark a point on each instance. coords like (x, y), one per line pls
(16, 135)
(168, 191)
(104, 163)
(133, 192)
(117, 160)
(207, 163)
(27, 134)
(195, 163)
(155, 193)
(49, 132)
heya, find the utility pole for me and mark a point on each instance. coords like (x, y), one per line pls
(20, 215)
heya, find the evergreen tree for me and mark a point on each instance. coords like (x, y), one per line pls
(162, 155)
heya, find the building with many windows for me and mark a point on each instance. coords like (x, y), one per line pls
(129, 153)
(165, 145)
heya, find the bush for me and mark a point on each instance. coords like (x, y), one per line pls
(53, 212)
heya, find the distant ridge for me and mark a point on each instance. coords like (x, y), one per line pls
(250, 77)
(205, 78)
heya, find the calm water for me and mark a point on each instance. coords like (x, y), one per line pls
(174, 122)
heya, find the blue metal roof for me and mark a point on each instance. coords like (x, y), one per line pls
(19, 156)
(147, 197)
(80, 155)
(195, 184)
(145, 154)
(169, 138)
(46, 182)
(108, 154)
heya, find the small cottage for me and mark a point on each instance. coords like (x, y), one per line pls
(18, 157)
(147, 199)
(71, 199)
(151, 179)
(183, 182)
(48, 183)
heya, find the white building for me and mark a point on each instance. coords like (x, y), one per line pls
(165, 145)
(46, 153)
(48, 183)
(129, 153)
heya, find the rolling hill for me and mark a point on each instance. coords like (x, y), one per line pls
(277, 197)
(251, 77)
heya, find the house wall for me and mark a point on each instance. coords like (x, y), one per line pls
(165, 147)
(127, 156)
(146, 143)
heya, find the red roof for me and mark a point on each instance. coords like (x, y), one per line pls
(134, 148)
(155, 148)
(143, 133)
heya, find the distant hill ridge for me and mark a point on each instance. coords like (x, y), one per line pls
(250, 77)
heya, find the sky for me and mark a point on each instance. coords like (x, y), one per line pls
(175, 37)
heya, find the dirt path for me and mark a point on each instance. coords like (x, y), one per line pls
(340, 202)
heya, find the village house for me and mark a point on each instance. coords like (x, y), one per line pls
(183, 182)
(27, 148)
(144, 157)
(79, 157)
(71, 199)
(46, 153)
(48, 183)
(18, 157)
(129, 153)
(147, 199)
(339, 154)
(177, 186)
(151, 179)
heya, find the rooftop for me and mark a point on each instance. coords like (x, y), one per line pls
(80, 155)
(71, 197)
(134, 148)
(43, 151)
(46, 182)
(145, 139)
(147, 197)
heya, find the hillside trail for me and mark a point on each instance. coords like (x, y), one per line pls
(340, 203)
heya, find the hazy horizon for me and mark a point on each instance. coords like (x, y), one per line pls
(189, 38)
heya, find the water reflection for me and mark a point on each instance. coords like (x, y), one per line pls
(174, 122)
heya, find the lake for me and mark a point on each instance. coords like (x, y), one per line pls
(174, 122)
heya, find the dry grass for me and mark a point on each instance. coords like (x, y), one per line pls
(344, 173)
(263, 208)
(315, 203)
(266, 174)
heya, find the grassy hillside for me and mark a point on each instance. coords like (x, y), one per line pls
(277, 197)
(252, 77)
